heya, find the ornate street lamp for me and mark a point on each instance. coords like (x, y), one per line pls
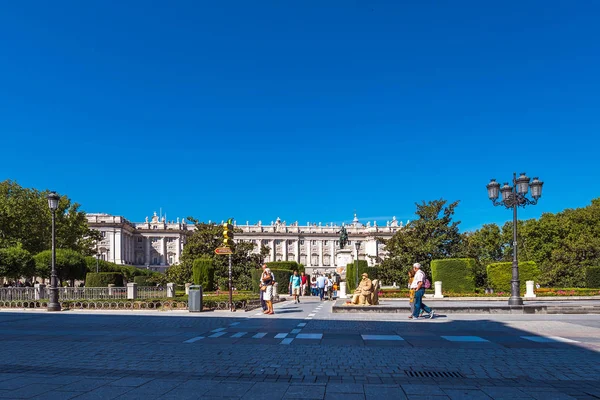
(513, 197)
(53, 304)
(357, 245)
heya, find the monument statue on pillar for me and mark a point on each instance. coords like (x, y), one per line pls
(343, 237)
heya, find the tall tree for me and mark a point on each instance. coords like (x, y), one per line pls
(26, 219)
(432, 235)
(16, 262)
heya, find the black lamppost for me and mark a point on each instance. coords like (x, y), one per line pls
(357, 244)
(513, 197)
(53, 305)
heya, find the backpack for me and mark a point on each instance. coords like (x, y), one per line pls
(426, 283)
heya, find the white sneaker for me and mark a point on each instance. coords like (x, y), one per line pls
(431, 315)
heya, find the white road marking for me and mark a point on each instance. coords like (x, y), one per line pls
(465, 339)
(381, 337)
(218, 334)
(192, 340)
(549, 339)
(218, 330)
(302, 324)
(317, 336)
(287, 341)
(238, 335)
(281, 336)
(259, 335)
(294, 331)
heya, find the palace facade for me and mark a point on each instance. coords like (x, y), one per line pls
(156, 243)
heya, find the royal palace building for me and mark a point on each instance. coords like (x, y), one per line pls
(157, 243)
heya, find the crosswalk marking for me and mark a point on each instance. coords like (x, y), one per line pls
(218, 334)
(549, 339)
(294, 331)
(317, 336)
(234, 324)
(381, 337)
(192, 340)
(281, 336)
(287, 341)
(311, 315)
(259, 335)
(302, 324)
(465, 339)
(218, 330)
(238, 335)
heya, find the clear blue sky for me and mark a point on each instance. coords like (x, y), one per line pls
(303, 110)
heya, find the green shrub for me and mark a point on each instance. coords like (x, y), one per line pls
(363, 267)
(500, 274)
(592, 277)
(289, 265)
(144, 281)
(103, 279)
(456, 274)
(203, 273)
(282, 277)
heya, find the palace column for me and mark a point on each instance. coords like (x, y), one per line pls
(273, 251)
(298, 251)
(285, 249)
(332, 252)
(321, 253)
(177, 249)
(148, 240)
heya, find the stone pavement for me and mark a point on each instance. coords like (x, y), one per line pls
(302, 352)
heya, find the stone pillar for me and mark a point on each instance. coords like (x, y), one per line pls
(118, 250)
(285, 249)
(298, 251)
(111, 289)
(342, 291)
(131, 290)
(438, 290)
(530, 287)
(178, 249)
(187, 288)
(40, 291)
(320, 244)
(275, 294)
(148, 240)
(171, 290)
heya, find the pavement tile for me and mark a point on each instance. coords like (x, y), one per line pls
(344, 388)
(130, 381)
(316, 392)
(344, 396)
(379, 392)
(55, 395)
(104, 392)
(505, 393)
(462, 394)
(84, 385)
(429, 390)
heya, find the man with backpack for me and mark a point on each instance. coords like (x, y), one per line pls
(419, 284)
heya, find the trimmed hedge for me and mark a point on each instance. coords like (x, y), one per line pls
(592, 277)
(203, 273)
(363, 267)
(282, 277)
(103, 279)
(500, 274)
(143, 281)
(288, 265)
(456, 274)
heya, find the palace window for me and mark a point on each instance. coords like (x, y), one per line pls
(103, 234)
(302, 242)
(139, 240)
(325, 242)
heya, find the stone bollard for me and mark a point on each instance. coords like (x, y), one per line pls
(275, 294)
(342, 294)
(529, 293)
(187, 289)
(40, 291)
(438, 290)
(111, 290)
(170, 290)
(132, 290)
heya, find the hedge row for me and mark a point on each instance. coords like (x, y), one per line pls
(289, 265)
(456, 274)
(500, 274)
(203, 273)
(103, 279)
(592, 277)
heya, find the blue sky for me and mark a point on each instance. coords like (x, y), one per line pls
(303, 110)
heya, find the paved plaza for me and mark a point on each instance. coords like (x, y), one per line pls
(304, 351)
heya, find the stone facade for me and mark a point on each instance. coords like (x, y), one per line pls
(157, 244)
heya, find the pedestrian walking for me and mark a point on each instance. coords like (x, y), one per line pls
(303, 283)
(263, 287)
(321, 283)
(313, 287)
(329, 287)
(411, 300)
(418, 284)
(295, 283)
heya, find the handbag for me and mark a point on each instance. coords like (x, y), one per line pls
(263, 288)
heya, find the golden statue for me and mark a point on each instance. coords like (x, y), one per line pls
(366, 292)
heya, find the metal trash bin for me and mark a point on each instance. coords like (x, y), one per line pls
(195, 298)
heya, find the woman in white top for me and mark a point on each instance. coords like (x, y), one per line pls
(268, 282)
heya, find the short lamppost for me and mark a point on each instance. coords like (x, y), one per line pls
(513, 197)
(53, 304)
(357, 245)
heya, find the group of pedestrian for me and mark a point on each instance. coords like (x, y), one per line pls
(417, 284)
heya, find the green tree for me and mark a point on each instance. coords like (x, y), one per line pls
(70, 265)
(433, 235)
(179, 273)
(26, 219)
(486, 246)
(16, 262)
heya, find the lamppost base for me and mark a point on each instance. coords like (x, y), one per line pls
(54, 307)
(515, 301)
